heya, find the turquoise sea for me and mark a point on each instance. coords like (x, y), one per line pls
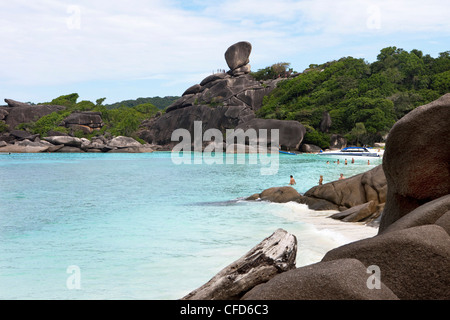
(140, 226)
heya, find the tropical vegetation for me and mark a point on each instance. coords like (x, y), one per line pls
(363, 99)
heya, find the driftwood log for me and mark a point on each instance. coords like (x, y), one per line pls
(274, 255)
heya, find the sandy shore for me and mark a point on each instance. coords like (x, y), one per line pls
(317, 233)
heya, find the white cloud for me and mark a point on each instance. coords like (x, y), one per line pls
(53, 42)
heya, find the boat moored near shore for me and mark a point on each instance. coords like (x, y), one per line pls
(352, 151)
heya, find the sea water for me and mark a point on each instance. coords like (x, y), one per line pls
(139, 226)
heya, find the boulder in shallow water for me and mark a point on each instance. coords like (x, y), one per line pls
(280, 194)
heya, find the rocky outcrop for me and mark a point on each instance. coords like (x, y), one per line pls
(273, 255)
(159, 131)
(360, 198)
(416, 159)
(225, 90)
(290, 132)
(413, 262)
(368, 187)
(337, 141)
(277, 194)
(84, 121)
(65, 140)
(18, 112)
(237, 56)
(325, 123)
(221, 101)
(233, 88)
(310, 148)
(433, 212)
(69, 144)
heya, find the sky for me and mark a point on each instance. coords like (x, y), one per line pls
(124, 50)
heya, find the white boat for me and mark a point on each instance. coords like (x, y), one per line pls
(351, 152)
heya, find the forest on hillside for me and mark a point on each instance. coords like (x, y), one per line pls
(159, 102)
(363, 99)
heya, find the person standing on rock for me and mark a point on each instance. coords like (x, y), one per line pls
(320, 180)
(292, 181)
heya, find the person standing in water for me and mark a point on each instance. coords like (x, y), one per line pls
(292, 181)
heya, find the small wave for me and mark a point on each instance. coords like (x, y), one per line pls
(217, 203)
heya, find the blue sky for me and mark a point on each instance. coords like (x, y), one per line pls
(130, 49)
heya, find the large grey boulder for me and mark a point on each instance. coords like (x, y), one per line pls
(65, 140)
(416, 159)
(325, 123)
(238, 54)
(19, 112)
(16, 148)
(343, 279)
(3, 113)
(159, 131)
(357, 213)
(429, 213)
(413, 262)
(123, 142)
(222, 89)
(280, 194)
(220, 101)
(87, 118)
(350, 192)
(290, 132)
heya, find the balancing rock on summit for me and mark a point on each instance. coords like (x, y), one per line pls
(221, 101)
(238, 55)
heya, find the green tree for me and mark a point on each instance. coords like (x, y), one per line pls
(358, 131)
(66, 100)
(441, 82)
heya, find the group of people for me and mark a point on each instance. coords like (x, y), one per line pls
(341, 177)
(292, 180)
(345, 162)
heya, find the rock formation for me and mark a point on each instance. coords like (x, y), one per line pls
(416, 159)
(290, 132)
(84, 121)
(325, 123)
(221, 101)
(360, 198)
(344, 194)
(18, 112)
(277, 194)
(237, 57)
(69, 144)
(340, 279)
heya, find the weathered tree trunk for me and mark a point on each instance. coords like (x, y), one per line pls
(275, 254)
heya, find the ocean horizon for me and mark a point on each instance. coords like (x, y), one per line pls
(140, 226)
